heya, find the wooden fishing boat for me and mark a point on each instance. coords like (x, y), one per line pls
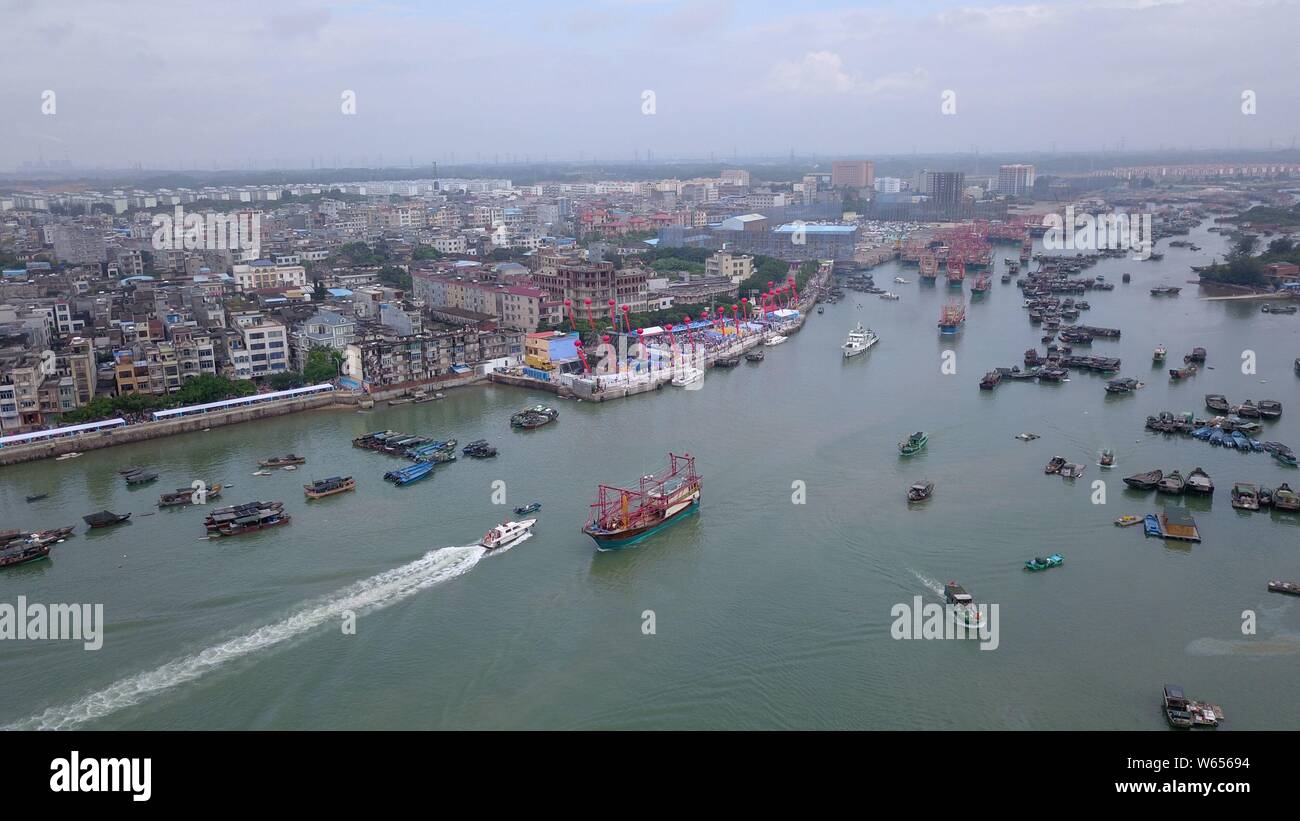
(141, 478)
(105, 518)
(755, 355)
(186, 496)
(1270, 408)
(1054, 465)
(913, 444)
(1144, 481)
(24, 552)
(1293, 588)
(534, 417)
(1182, 373)
(1198, 481)
(920, 491)
(1284, 498)
(1171, 482)
(283, 461)
(1245, 496)
(727, 362)
(1217, 402)
(1183, 713)
(328, 487)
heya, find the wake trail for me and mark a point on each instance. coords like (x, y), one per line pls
(370, 594)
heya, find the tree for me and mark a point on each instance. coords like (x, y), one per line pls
(321, 366)
(396, 277)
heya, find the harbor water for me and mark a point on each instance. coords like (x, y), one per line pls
(771, 609)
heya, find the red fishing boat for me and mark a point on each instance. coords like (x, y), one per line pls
(622, 517)
(951, 318)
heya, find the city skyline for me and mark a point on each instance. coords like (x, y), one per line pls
(483, 84)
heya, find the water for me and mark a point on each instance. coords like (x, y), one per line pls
(768, 614)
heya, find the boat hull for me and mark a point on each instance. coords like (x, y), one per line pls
(622, 539)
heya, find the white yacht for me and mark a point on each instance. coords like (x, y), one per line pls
(776, 340)
(860, 339)
(686, 376)
(507, 533)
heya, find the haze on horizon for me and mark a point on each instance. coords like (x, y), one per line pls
(240, 84)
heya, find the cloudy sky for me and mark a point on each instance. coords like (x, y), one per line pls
(238, 82)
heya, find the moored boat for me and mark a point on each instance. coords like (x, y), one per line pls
(1277, 586)
(1171, 482)
(189, 495)
(1198, 481)
(1127, 520)
(534, 417)
(991, 380)
(1144, 481)
(321, 488)
(1072, 470)
(621, 517)
(141, 478)
(283, 461)
(1183, 373)
(1054, 465)
(1183, 713)
(105, 518)
(1217, 402)
(1245, 496)
(1284, 498)
(1270, 408)
(755, 355)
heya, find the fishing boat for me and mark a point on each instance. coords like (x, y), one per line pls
(1054, 465)
(1107, 459)
(1171, 482)
(506, 534)
(1198, 481)
(859, 340)
(283, 461)
(980, 286)
(321, 488)
(1246, 410)
(105, 518)
(1278, 309)
(1286, 457)
(1197, 355)
(1158, 355)
(727, 362)
(1072, 470)
(247, 519)
(1245, 496)
(821, 309)
(914, 443)
(1183, 713)
(775, 340)
(1183, 373)
(962, 604)
(22, 552)
(1144, 481)
(524, 510)
(141, 478)
(1293, 588)
(186, 496)
(1165, 290)
(1127, 521)
(37, 497)
(755, 355)
(951, 318)
(621, 517)
(1027, 437)
(1284, 498)
(1270, 408)
(411, 474)
(536, 416)
(1217, 402)
(1043, 563)
(991, 380)
(920, 491)
(479, 449)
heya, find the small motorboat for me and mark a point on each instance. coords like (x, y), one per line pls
(1183, 373)
(506, 534)
(37, 497)
(1159, 354)
(1127, 521)
(1292, 588)
(1107, 459)
(1041, 563)
(524, 510)
(141, 478)
(920, 491)
(283, 461)
(1054, 465)
(1027, 437)
(72, 455)
(755, 355)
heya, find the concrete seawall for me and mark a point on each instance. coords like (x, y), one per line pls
(154, 430)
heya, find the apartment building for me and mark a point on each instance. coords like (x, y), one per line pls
(392, 362)
(736, 267)
(264, 273)
(568, 277)
(265, 341)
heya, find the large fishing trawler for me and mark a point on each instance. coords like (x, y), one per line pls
(951, 317)
(622, 517)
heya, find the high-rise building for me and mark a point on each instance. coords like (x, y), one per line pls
(1015, 180)
(852, 174)
(945, 187)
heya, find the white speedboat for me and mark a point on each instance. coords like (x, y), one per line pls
(859, 340)
(687, 376)
(507, 533)
(72, 455)
(889, 295)
(900, 280)
(776, 340)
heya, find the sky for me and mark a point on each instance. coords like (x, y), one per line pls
(244, 84)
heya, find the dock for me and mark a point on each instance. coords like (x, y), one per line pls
(1175, 523)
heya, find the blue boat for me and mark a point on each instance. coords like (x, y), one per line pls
(1203, 433)
(1239, 439)
(1152, 526)
(413, 473)
(1216, 438)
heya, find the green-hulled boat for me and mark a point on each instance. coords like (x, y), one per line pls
(914, 443)
(1039, 563)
